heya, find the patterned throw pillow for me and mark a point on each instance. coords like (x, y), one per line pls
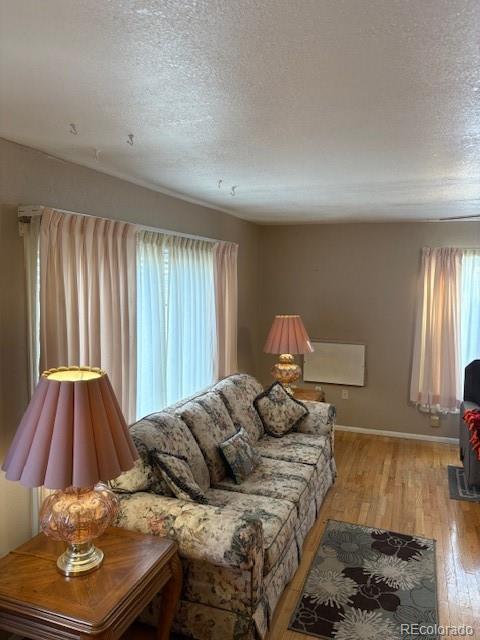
(240, 456)
(177, 475)
(164, 431)
(141, 477)
(278, 411)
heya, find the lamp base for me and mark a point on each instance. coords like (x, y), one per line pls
(286, 371)
(80, 559)
(78, 516)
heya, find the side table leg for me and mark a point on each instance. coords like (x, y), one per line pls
(170, 596)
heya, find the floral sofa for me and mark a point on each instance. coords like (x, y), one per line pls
(241, 549)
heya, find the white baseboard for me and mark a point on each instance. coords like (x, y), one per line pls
(398, 434)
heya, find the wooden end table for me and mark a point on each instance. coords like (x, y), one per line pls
(37, 602)
(308, 393)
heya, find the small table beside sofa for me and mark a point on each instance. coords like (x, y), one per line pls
(37, 602)
(239, 543)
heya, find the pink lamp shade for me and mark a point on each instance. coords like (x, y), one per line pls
(73, 433)
(288, 335)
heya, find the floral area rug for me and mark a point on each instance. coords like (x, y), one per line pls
(369, 584)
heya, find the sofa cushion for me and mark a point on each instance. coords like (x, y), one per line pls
(294, 447)
(166, 432)
(307, 449)
(178, 476)
(240, 455)
(278, 517)
(238, 393)
(278, 479)
(278, 411)
(210, 423)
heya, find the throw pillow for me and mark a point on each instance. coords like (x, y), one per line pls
(239, 455)
(178, 476)
(141, 477)
(278, 411)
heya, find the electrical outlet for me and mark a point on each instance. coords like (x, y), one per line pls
(434, 420)
(318, 387)
(344, 394)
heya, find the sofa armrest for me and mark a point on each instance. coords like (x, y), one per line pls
(203, 532)
(320, 419)
(468, 405)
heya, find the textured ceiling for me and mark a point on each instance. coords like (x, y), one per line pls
(318, 110)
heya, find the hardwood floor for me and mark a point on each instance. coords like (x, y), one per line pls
(401, 485)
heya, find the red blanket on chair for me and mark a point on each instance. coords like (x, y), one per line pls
(472, 420)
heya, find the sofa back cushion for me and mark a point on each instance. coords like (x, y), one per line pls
(238, 393)
(166, 432)
(209, 421)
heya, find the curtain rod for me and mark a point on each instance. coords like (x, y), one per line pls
(25, 213)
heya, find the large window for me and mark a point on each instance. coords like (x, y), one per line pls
(156, 310)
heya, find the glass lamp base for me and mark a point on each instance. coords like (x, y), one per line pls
(80, 559)
(286, 371)
(78, 516)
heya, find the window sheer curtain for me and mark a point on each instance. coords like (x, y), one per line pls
(443, 300)
(175, 317)
(88, 298)
(435, 380)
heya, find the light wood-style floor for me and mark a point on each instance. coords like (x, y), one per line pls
(401, 485)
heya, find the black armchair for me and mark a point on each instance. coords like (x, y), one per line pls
(471, 401)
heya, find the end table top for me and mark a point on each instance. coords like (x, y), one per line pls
(309, 393)
(31, 583)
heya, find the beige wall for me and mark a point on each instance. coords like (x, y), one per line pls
(357, 282)
(30, 177)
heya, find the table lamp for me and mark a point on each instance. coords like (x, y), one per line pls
(287, 336)
(72, 436)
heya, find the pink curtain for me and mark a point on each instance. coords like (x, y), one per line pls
(88, 298)
(436, 376)
(226, 303)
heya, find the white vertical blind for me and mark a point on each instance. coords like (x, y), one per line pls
(175, 319)
(470, 308)
(152, 281)
(191, 317)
